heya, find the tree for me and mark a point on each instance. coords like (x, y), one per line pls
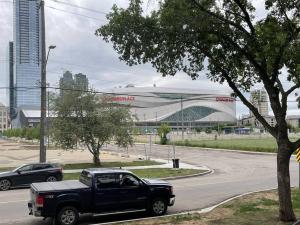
(82, 118)
(163, 130)
(228, 39)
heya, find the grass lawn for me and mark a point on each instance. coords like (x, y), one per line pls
(148, 173)
(254, 209)
(258, 145)
(111, 164)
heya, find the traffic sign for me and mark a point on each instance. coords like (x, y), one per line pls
(298, 155)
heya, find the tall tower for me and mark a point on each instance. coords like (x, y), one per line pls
(259, 98)
(11, 81)
(66, 82)
(81, 81)
(27, 49)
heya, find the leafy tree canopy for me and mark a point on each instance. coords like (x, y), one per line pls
(81, 117)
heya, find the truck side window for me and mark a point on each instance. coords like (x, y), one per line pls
(126, 180)
(106, 181)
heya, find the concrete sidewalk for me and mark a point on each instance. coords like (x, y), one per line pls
(165, 164)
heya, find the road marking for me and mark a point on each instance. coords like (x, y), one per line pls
(13, 201)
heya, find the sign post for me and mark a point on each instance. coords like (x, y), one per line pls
(298, 160)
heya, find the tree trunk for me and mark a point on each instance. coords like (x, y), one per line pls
(96, 158)
(286, 212)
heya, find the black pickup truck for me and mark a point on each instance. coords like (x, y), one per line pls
(99, 191)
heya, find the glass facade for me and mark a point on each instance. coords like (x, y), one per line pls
(193, 113)
(27, 52)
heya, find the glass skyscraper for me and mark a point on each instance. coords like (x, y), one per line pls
(27, 49)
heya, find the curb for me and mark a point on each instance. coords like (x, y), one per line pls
(204, 210)
(189, 176)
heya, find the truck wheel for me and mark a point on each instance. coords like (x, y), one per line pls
(51, 179)
(4, 184)
(158, 207)
(67, 216)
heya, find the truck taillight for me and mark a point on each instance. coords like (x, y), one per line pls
(39, 201)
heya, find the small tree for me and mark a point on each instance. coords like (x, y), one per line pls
(163, 130)
(82, 117)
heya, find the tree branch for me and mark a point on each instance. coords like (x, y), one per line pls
(233, 86)
(283, 11)
(280, 86)
(293, 88)
(221, 18)
(246, 16)
(250, 106)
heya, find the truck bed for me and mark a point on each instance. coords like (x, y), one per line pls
(58, 186)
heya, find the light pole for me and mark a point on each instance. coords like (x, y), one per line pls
(43, 94)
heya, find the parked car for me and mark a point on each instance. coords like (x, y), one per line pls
(30, 173)
(99, 191)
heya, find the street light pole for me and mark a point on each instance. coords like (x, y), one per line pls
(44, 61)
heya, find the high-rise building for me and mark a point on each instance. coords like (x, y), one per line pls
(66, 82)
(259, 98)
(81, 81)
(11, 81)
(27, 52)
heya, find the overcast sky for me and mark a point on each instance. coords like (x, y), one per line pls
(79, 50)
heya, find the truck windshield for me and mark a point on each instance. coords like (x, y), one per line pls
(86, 178)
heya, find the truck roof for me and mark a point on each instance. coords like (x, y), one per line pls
(106, 170)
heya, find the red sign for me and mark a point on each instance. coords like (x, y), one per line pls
(224, 99)
(120, 99)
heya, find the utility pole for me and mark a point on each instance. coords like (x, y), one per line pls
(43, 86)
(48, 110)
(182, 132)
(44, 61)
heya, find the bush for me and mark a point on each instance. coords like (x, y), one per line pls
(163, 130)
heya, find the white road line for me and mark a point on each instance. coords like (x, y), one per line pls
(21, 200)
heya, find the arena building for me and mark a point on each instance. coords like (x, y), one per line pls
(186, 108)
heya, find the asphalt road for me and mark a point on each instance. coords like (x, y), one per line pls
(234, 173)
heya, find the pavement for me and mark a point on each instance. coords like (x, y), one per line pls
(235, 173)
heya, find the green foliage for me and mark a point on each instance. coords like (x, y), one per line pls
(83, 118)
(27, 133)
(163, 130)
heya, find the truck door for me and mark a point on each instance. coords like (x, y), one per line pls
(106, 193)
(133, 193)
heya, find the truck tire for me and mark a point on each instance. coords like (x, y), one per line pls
(158, 207)
(67, 215)
(4, 184)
